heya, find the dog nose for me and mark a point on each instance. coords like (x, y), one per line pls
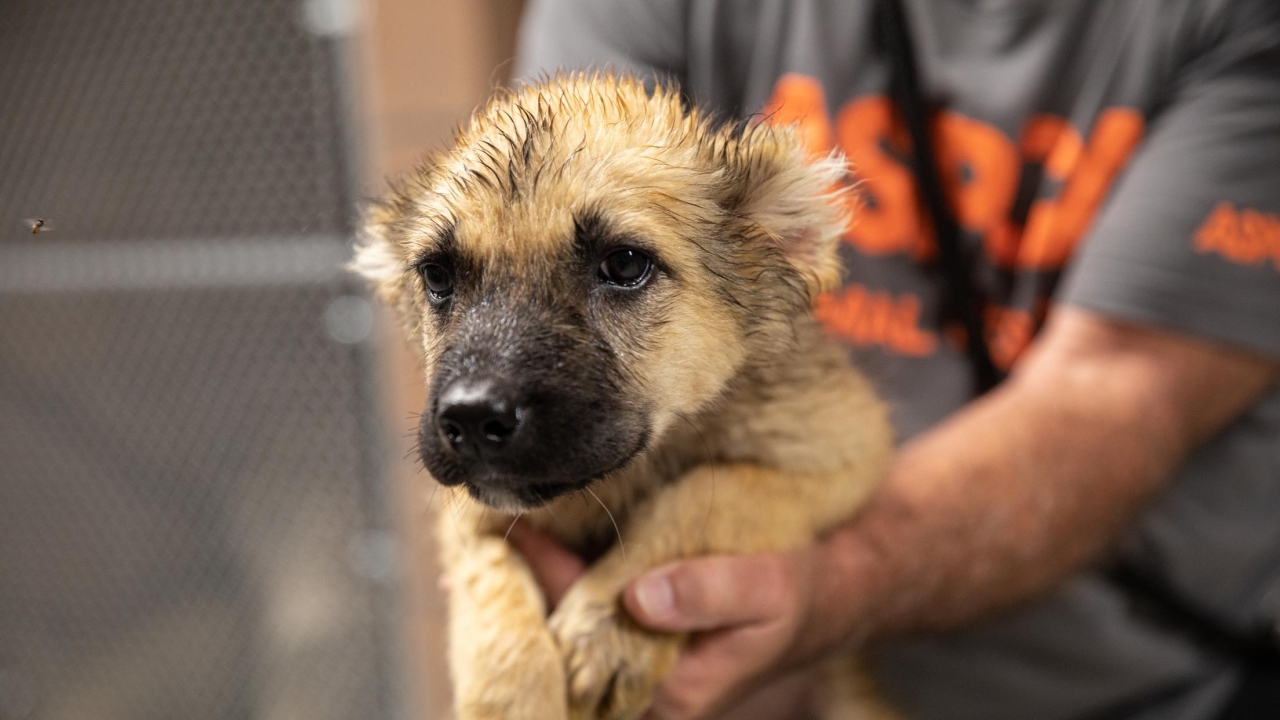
(477, 419)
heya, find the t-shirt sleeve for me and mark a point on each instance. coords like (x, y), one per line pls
(1190, 237)
(646, 37)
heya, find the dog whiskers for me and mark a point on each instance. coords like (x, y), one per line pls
(621, 545)
(513, 525)
(549, 507)
(457, 507)
(431, 500)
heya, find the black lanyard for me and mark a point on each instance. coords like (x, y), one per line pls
(957, 265)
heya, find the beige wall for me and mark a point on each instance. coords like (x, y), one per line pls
(429, 63)
(423, 66)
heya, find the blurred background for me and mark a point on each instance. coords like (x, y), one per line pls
(207, 506)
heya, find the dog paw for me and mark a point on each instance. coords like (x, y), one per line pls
(611, 664)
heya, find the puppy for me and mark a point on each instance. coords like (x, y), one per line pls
(612, 295)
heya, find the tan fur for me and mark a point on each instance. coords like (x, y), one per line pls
(763, 436)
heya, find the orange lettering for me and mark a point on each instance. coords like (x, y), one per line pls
(868, 318)
(799, 100)
(1256, 235)
(1244, 237)
(887, 218)
(980, 172)
(980, 167)
(1052, 142)
(1054, 227)
(1216, 232)
(905, 334)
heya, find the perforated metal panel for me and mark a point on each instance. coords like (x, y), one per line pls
(191, 512)
(168, 119)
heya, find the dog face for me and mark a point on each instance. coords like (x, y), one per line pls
(589, 262)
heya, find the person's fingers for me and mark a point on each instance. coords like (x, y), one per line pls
(708, 675)
(554, 567)
(711, 592)
(692, 687)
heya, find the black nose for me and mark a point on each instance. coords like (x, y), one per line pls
(477, 419)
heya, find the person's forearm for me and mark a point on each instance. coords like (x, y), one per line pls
(1018, 491)
(992, 508)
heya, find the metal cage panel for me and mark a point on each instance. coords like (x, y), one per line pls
(191, 504)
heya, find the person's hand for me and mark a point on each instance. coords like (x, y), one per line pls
(749, 618)
(747, 615)
(554, 567)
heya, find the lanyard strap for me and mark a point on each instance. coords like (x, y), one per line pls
(960, 295)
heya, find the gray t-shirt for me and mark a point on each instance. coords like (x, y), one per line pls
(1118, 156)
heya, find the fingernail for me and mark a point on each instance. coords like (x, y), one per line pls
(655, 597)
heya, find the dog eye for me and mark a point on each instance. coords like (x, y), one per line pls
(627, 267)
(438, 280)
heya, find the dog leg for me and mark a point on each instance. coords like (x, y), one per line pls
(613, 664)
(504, 662)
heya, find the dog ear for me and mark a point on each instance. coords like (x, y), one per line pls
(795, 202)
(379, 261)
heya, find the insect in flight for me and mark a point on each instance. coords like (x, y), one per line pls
(38, 225)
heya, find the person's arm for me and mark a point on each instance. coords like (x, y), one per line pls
(989, 510)
(1025, 486)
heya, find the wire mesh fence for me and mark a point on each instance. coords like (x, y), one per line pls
(174, 120)
(192, 519)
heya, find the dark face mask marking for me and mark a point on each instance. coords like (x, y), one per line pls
(528, 399)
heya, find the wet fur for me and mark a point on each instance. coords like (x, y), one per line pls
(753, 433)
